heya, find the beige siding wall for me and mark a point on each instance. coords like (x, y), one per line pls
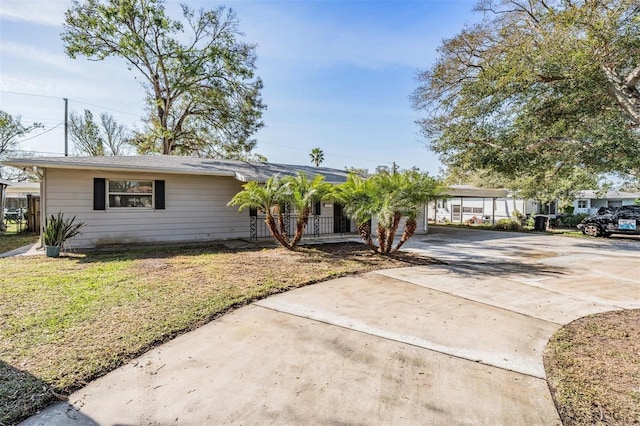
(195, 209)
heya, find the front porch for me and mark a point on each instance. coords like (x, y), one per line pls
(318, 225)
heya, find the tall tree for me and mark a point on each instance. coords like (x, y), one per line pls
(544, 88)
(93, 139)
(317, 156)
(85, 134)
(203, 96)
(11, 131)
(116, 136)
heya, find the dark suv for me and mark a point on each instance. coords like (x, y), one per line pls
(618, 220)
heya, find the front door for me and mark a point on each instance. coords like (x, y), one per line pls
(341, 223)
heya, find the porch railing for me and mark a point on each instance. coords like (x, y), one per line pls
(317, 225)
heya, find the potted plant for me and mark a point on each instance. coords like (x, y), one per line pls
(57, 230)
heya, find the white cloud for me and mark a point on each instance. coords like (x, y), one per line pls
(32, 53)
(43, 12)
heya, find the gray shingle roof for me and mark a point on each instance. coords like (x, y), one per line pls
(241, 170)
(595, 195)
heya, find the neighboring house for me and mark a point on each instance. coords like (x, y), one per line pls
(590, 201)
(464, 203)
(18, 192)
(159, 198)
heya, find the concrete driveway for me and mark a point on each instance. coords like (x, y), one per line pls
(458, 343)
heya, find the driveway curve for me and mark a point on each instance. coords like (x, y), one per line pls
(456, 343)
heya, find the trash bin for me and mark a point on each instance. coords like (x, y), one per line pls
(540, 222)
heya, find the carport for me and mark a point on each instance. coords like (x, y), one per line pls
(464, 192)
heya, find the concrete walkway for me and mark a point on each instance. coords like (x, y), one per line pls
(459, 343)
(28, 250)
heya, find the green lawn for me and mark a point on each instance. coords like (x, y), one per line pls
(10, 241)
(66, 321)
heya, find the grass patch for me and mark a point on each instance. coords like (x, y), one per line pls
(593, 369)
(66, 321)
(13, 241)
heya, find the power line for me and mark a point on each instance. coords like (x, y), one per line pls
(103, 107)
(40, 134)
(71, 99)
(31, 94)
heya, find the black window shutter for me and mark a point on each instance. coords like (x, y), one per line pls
(99, 194)
(159, 194)
(253, 212)
(317, 208)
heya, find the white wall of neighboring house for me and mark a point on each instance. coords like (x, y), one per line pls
(464, 209)
(16, 194)
(195, 209)
(589, 201)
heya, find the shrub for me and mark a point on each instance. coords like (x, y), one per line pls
(518, 216)
(508, 225)
(531, 221)
(57, 229)
(572, 221)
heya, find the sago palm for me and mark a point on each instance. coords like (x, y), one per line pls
(301, 193)
(268, 197)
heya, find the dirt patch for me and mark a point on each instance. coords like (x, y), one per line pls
(593, 369)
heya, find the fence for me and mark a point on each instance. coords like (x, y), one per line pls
(317, 225)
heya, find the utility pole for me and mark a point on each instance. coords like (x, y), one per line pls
(66, 127)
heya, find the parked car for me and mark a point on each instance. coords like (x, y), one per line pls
(618, 220)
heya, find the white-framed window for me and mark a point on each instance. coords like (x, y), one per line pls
(582, 204)
(130, 193)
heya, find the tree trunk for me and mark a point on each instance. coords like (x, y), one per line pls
(364, 230)
(301, 224)
(273, 228)
(623, 92)
(282, 228)
(391, 232)
(382, 238)
(410, 227)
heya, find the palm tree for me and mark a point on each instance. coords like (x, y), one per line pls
(357, 197)
(387, 197)
(299, 192)
(302, 192)
(268, 197)
(317, 156)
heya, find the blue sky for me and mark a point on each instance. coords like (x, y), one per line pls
(337, 75)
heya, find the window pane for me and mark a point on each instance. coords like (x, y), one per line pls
(131, 186)
(129, 200)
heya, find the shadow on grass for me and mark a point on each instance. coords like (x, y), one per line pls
(21, 394)
(362, 253)
(155, 252)
(326, 251)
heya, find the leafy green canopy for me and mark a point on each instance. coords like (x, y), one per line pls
(203, 98)
(539, 93)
